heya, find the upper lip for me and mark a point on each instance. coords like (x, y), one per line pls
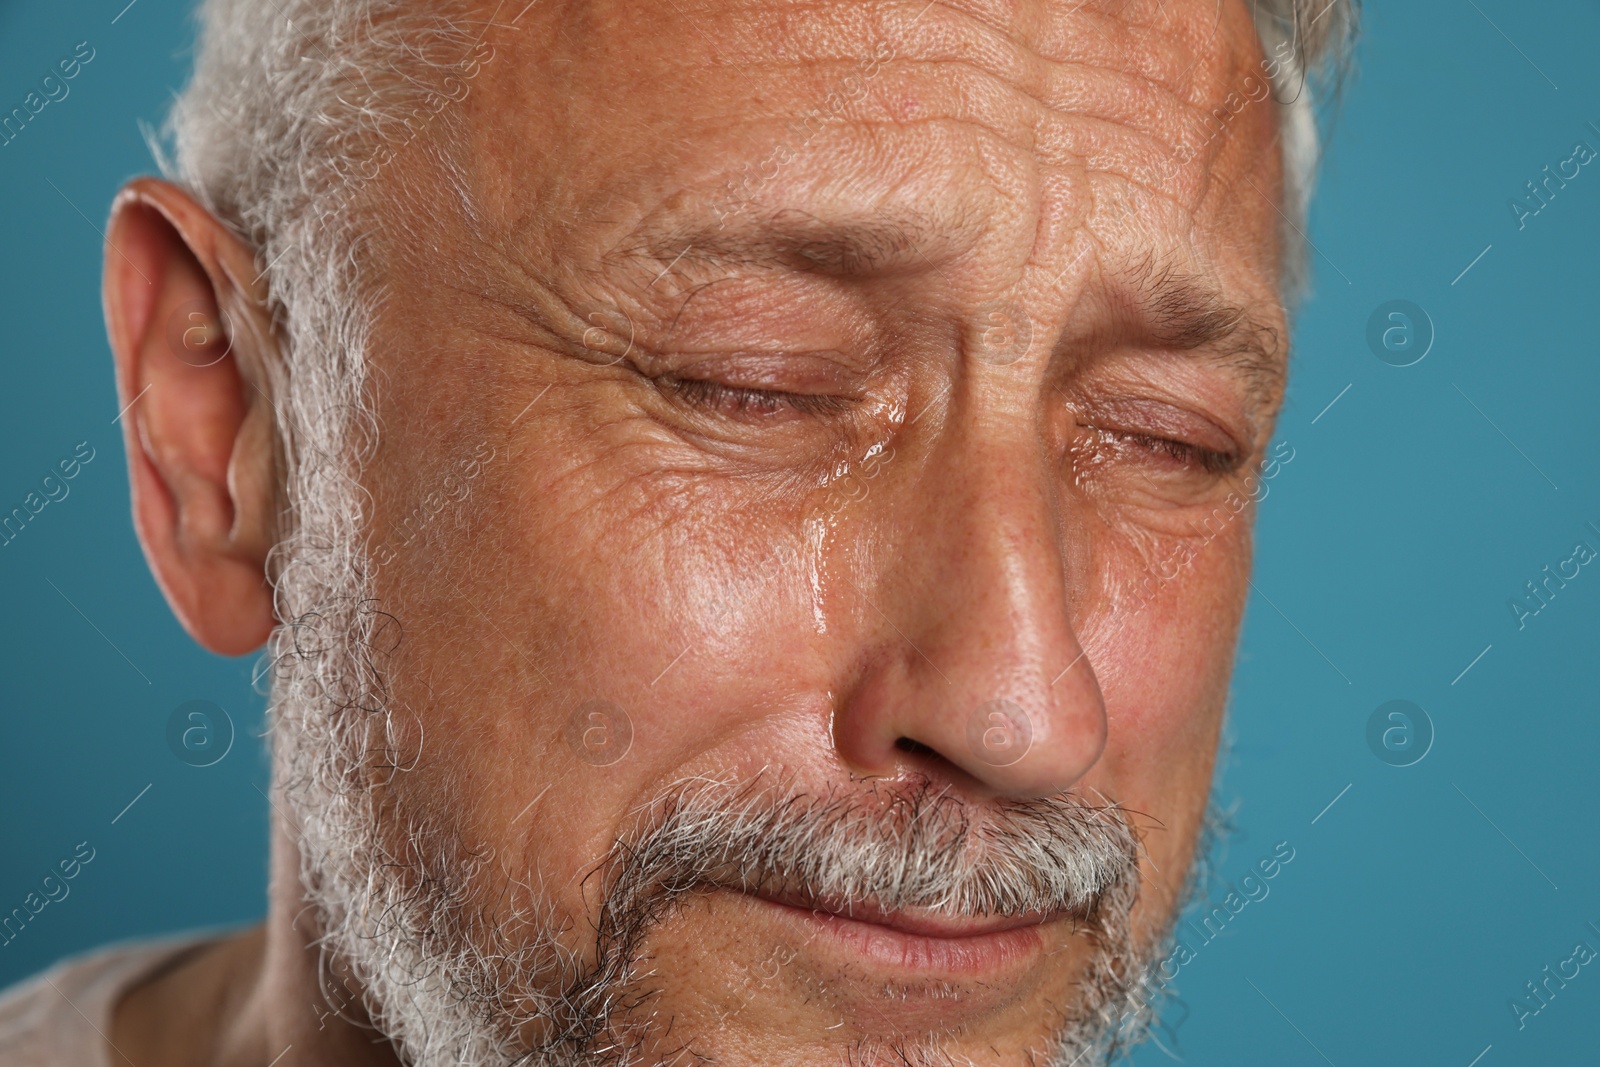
(919, 922)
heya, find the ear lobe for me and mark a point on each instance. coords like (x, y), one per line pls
(189, 345)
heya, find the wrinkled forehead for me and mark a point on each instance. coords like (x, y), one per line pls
(1124, 115)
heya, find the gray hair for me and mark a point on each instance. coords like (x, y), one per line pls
(1317, 34)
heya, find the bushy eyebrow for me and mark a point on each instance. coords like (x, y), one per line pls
(1171, 308)
(790, 239)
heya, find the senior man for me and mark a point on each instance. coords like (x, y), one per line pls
(748, 505)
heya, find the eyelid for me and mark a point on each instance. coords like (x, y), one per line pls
(1211, 460)
(787, 372)
(709, 394)
(1176, 418)
(1214, 462)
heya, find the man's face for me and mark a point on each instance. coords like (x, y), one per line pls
(861, 399)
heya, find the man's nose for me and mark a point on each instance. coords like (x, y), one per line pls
(979, 668)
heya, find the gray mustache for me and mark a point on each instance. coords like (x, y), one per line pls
(897, 848)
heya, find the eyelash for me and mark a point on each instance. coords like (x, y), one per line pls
(1209, 460)
(715, 396)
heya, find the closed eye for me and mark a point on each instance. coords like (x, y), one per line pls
(1209, 460)
(737, 401)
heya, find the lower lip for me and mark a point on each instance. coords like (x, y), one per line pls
(968, 955)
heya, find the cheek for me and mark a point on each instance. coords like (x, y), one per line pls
(1165, 682)
(612, 627)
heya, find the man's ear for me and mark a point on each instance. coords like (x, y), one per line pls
(191, 340)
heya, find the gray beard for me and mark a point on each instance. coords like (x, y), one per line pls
(449, 982)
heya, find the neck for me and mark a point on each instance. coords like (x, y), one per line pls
(247, 1000)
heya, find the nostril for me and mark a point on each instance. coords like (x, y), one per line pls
(905, 744)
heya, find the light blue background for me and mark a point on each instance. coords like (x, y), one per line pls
(1388, 550)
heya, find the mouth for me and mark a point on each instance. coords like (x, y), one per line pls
(919, 941)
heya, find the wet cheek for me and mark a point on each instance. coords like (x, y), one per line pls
(640, 579)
